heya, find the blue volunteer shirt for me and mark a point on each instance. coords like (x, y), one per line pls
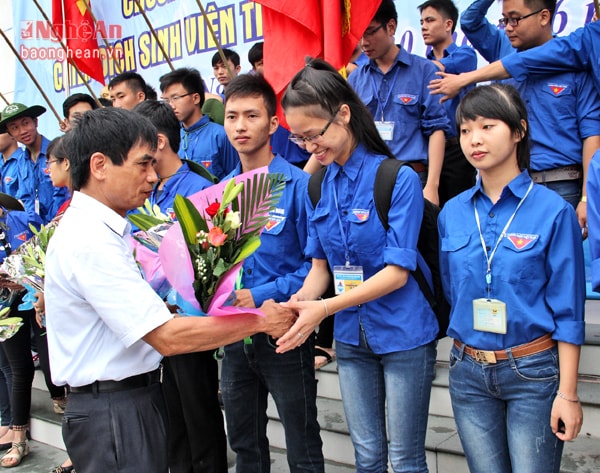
(17, 230)
(9, 172)
(402, 319)
(593, 215)
(537, 270)
(184, 182)
(36, 191)
(401, 96)
(278, 268)
(206, 143)
(457, 59)
(563, 109)
(579, 51)
(280, 144)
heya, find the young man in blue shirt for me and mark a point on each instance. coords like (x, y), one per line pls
(393, 86)
(197, 439)
(563, 109)
(252, 369)
(36, 191)
(202, 140)
(11, 155)
(438, 23)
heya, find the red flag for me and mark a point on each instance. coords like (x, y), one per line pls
(80, 34)
(293, 29)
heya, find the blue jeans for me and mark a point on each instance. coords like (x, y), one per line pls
(568, 190)
(367, 381)
(502, 412)
(249, 373)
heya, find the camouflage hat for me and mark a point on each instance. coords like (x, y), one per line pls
(18, 110)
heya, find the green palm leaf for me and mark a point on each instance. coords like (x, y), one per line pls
(189, 218)
(260, 195)
(144, 222)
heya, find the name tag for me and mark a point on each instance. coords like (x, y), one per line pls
(386, 130)
(489, 315)
(346, 277)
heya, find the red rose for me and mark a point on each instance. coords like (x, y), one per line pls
(213, 209)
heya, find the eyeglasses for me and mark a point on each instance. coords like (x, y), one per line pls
(372, 31)
(309, 139)
(50, 161)
(175, 98)
(515, 21)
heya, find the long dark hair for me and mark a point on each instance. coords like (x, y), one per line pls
(500, 102)
(320, 85)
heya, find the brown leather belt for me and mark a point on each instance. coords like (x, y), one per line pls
(417, 166)
(566, 173)
(492, 356)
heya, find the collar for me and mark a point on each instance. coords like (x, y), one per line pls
(278, 165)
(353, 165)
(91, 206)
(403, 58)
(449, 50)
(199, 124)
(518, 187)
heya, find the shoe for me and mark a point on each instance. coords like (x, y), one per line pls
(59, 405)
(18, 451)
(323, 357)
(63, 469)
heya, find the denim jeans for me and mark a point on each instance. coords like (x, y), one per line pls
(367, 381)
(249, 373)
(502, 412)
(568, 190)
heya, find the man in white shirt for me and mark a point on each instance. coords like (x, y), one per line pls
(107, 328)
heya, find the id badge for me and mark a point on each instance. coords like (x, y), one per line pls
(346, 277)
(489, 315)
(386, 130)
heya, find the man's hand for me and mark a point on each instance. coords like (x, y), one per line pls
(243, 298)
(449, 85)
(582, 218)
(277, 320)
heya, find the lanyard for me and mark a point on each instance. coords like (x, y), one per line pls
(342, 231)
(382, 105)
(490, 257)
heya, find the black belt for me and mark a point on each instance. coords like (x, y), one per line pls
(133, 382)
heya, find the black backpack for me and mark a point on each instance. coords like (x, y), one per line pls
(427, 245)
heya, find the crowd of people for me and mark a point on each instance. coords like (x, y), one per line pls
(138, 386)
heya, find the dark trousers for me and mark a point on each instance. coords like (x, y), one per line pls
(121, 432)
(5, 389)
(457, 174)
(197, 442)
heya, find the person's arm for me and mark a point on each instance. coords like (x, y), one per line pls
(190, 334)
(485, 37)
(316, 282)
(311, 313)
(590, 145)
(312, 165)
(593, 216)
(449, 85)
(436, 146)
(566, 408)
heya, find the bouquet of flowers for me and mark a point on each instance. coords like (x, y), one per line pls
(25, 266)
(203, 252)
(153, 225)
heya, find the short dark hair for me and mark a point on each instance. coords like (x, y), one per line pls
(320, 86)
(74, 99)
(540, 4)
(386, 12)
(163, 118)
(55, 148)
(446, 8)
(134, 81)
(255, 54)
(150, 92)
(252, 85)
(105, 102)
(110, 131)
(189, 78)
(229, 54)
(500, 102)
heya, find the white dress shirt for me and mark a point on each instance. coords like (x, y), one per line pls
(98, 306)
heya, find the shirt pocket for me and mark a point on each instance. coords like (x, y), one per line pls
(408, 106)
(521, 260)
(559, 97)
(459, 259)
(366, 234)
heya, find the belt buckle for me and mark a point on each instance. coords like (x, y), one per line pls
(484, 356)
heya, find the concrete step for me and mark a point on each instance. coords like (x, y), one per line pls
(41, 459)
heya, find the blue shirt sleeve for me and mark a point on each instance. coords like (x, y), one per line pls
(461, 59)
(593, 213)
(491, 43)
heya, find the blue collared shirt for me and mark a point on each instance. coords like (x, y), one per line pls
(593, 215)
(9, 171)
(401, 96)
(563, 109)
(280, 144)
(206, 143)
(278, 268)
(579, 51)
(36, 186)
(457, 59)
(537, 269)
(402, 319)
(18, 231)
(184, 182)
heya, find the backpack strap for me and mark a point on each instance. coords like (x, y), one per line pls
(314, 186)
(385, 180)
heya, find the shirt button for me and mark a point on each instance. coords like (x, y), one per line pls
(345, 212)
(491, 214)
(248, 271)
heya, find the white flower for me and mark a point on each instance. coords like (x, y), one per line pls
(233, 218)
